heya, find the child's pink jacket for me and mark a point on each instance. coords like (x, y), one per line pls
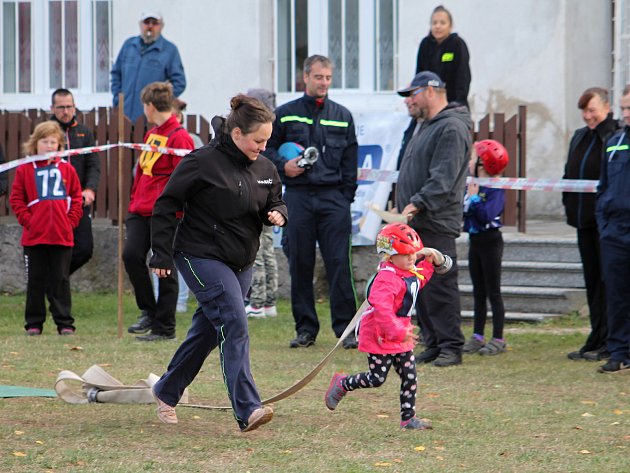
(387, 320)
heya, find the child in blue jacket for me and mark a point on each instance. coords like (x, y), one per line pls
(483, 207)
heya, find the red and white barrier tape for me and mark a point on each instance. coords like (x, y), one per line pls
(364, 174)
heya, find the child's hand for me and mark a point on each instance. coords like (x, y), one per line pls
(433, 256)
(410, 337)
(473, 189)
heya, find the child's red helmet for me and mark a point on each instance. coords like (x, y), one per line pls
(492, 155)
(398, 239)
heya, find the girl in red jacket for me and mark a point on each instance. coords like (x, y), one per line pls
(386, 333)
(46, 199)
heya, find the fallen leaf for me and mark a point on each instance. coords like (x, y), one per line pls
(397, 460)
(626, 437)
(382, 464)
(39, 442)
(196, 417)
(432, 395)
(420, 448)
(585, 452)
(440, 458)
(587, 414)
(19, 432)
(19, 454)
(286, 452)
(614, 423)
(15, 353)
(439, 449)
(76, 348)
(577, 427)
(617, 411)
(104, 365)
(590, 403)
(382, 416)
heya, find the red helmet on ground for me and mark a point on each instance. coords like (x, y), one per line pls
(398, 239)
(492, 155)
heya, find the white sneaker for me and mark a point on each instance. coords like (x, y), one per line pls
(254, 312)
(270, 310)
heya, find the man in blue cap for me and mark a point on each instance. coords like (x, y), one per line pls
(430, 192)
(145, 59)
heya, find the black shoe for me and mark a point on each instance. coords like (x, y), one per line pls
(155, 337)
(596, 355)
(614, 366)
(428, 355)
(143, 325)
(303, 340)
(575, 356)
(447, 358)
(350, 342)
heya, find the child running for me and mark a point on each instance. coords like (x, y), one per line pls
(386, 333)
(483, 207)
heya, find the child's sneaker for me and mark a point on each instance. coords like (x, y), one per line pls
(165, 412)
(493, 347)
(254, 312)
(473, 345)
(66, 331)
(270, 311)
(33, 331)
(335, 392)
(415, 424)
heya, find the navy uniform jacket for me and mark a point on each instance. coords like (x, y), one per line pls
(330, 128)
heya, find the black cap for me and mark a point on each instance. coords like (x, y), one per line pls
(423, 79)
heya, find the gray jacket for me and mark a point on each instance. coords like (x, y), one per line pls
(434, 169)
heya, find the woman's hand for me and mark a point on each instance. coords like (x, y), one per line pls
(276, 218)
(161, 273)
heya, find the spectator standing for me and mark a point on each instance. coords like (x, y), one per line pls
(87, 166)
(46, 199)
(229, 191)
(144, 59)
(584, 161)
(318, 200)
(152, 173)
(430, 193)
(483, 207)
(613, 221)
(446, 54)
(262, 298)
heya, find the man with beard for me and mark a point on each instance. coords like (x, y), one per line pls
(88, 168)
(430, 192)
(144, 59)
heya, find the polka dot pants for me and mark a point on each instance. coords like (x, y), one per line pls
(405, 366)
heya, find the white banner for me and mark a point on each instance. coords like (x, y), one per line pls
(379, 136)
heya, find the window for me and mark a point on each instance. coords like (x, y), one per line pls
(359, 37)
(47, 44)
(16, 46)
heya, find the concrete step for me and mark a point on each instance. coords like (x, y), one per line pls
(514, 316)
(533, 273)
(528, 299)
(523, 248)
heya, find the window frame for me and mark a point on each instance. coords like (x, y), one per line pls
(318, 44)
(39, 95)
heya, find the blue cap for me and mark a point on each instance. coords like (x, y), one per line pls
(423, 79)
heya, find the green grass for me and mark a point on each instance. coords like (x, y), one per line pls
(529, 410)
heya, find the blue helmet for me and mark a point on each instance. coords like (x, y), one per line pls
(290, 150)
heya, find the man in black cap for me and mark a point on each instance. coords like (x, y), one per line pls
(430, 192)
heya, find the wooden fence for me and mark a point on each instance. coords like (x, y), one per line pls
(16, 127)
(512, 133)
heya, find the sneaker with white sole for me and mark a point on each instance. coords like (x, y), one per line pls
(254, 312)
(165, 412)
(614, 366)
(270, 311)
(259, 417)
